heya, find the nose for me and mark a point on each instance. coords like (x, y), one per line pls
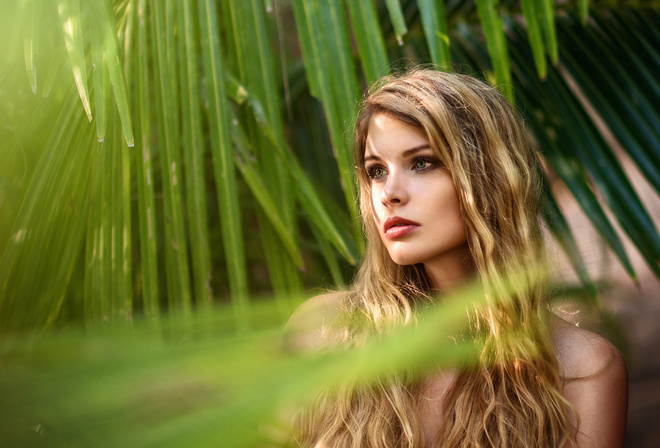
(394, 190)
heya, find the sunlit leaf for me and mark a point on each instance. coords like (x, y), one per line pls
(295, 87)
(495, 40)
(147, 214)
(193, 155)
(71, 18)
(104, 24)
(100, 85)
(252, 42)
(221, 150)
(436, 31)
(131, 388)
(396, 15)
(260, 191)
(167, 109)
(547, 22)
(369, 38)
(31, 15)
(534, 33)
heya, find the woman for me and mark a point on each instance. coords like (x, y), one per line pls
(449, 192)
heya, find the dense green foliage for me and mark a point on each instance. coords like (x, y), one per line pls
(217, 164)
(217, 168)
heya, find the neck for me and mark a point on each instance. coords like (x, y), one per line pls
(453, 270)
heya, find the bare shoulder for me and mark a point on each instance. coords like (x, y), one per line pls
(595, 383)
(583, 353)
(310, 325)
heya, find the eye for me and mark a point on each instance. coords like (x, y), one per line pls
(423, 163)
(376, 172)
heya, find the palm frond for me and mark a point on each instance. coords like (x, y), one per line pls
(176, 195)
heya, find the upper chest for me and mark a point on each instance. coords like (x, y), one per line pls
(432, 403)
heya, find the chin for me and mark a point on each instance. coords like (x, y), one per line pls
(403, 259)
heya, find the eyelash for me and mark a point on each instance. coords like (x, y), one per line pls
(428, 161)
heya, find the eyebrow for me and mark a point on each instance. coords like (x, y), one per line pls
(406, 153)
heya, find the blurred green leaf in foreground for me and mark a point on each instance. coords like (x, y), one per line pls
(217, 169)
(199, 382)
(217, 164)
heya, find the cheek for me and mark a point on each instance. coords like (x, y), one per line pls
(375, 207)
(457, 223)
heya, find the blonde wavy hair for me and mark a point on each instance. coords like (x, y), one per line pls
(512, 396)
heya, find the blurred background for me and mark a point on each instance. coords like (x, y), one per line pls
(635, 307)
(181, 170)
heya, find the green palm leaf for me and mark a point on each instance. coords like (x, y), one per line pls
(75, 211)
(223, 165)
(167, 111)
(496, 42)
(160, 195)
(71, 18)
(435, 29)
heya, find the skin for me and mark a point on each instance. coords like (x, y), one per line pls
(596, 385)
(408, 181)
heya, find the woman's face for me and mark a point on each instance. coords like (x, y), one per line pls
(413, 199)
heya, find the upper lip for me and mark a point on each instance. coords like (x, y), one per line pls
(397, 221)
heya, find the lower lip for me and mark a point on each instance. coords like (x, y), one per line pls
(400, 231)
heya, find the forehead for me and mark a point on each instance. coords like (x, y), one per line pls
(390, 136)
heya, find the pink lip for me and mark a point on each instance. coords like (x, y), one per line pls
(396, 227)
